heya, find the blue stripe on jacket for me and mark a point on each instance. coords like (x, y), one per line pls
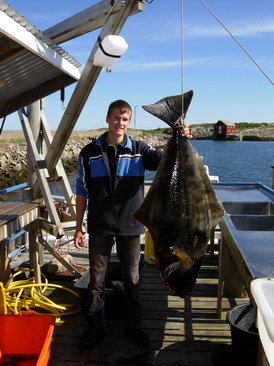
(98, 167)
(130, 166)
(81, 187)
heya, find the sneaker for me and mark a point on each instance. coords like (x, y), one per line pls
(90, 339)
(138, 336)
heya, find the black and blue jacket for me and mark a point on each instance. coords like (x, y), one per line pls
(111, 204)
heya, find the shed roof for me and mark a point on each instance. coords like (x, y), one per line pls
(226, 122)
(31, 65)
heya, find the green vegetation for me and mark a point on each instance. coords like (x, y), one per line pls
(246, 125)
(205, 125)
(239, 126)
(12, 178)
(16, 140)
(156, 131)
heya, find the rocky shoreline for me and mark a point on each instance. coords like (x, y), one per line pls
(13, 155)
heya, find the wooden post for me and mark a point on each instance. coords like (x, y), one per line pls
(34, 251)
(34, 115)
(222, 255)
(4, 263)
(87, 20)
(233, 284)
(40, 169)
(33, 112)
(272, 176)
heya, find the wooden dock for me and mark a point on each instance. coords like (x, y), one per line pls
(182, 331)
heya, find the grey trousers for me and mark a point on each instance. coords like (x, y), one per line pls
(128, 251)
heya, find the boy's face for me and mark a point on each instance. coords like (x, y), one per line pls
(118, 122)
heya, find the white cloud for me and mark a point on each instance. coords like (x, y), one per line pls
(150, 66)
(255, 30)
(246, 30)
(49, 16)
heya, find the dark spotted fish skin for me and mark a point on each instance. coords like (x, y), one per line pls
(180, 211)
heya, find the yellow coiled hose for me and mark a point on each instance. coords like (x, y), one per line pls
(27, 295)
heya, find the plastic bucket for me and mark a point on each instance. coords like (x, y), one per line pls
(113, 294)
(25, 339)
(149, 255)
(244, 334)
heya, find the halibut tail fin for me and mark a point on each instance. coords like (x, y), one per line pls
(169, 109)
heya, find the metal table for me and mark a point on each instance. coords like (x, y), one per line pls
(247, 233)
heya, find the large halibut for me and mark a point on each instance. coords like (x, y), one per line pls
(181, 208)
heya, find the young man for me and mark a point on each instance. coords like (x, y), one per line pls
(111, 186)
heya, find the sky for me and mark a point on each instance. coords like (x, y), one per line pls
(173, 46)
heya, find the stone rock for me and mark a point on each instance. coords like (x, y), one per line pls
(17, 167)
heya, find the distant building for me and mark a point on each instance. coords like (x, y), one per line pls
(224, 130)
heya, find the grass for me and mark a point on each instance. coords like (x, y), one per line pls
(14, 140)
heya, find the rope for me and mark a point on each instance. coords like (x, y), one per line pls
(182, 60)
(113, 4)
(58, 246)
(235, 39)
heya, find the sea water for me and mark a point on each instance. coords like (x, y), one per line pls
(238, 161)
(232, 161)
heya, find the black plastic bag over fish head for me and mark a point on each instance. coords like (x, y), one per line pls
(169, 109)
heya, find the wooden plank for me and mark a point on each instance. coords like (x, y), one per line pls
(4, 263)
(14, 216)
(34, 253)
(33, 112)
(41, 172)
(15, 208)
(86, 21)
(60, 173)
(182, 331)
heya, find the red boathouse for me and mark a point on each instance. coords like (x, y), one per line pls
(224, 130)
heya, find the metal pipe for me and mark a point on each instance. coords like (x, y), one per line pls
(14, 188)
(15, 236)
(135, 107)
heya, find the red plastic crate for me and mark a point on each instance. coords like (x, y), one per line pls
(25, 340)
